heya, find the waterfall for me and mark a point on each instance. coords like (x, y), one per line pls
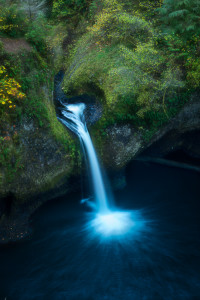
(73, 118)
(107, 221)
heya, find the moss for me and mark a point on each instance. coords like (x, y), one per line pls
(35, 74)
(10, 160)
(1, 49)
(193, 75)
(59, 131)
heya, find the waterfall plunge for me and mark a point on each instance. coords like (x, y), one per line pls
(107, 222)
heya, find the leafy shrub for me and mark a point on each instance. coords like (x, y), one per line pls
(119, 58)
(56, 37)
(120, 28)
(193, 75)
(13, 22)
(9, 90)
(181, 16)
(37, 34)
(67, 9)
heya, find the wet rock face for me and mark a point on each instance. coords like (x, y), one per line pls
(45, 158)
(124, 143)
(189, 117)
(188, 142)
(44, 175)
(93, 110)
(93, 113)
(43, 161)
(182, 133)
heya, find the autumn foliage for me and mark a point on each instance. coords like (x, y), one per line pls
(10, 90)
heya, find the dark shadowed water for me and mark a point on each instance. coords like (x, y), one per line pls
(158, 258)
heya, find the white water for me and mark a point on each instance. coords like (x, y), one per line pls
(75, 121)
(107, 221)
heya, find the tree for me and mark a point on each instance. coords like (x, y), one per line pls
(181, 16)
(70, 8)
(13, 22)
(33, 7)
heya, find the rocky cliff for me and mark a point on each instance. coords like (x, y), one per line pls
(44, 156)
(124, 143)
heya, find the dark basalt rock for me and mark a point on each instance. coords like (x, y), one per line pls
(93, 110)
(124, 143)
(182, 133)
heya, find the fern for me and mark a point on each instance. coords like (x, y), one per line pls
(181, 16)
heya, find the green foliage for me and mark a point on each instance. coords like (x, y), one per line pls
(181, 16)
(56, 37)
(119, 27)
(35, 78)
(180, 22)
(37, 34)
(95, 6)
(9, 91)
(36, 109)
(16, 22)
(119, 58)
(59, 131)
(30, 71)
(1, 49)
(193, 74)
(10, 159)
(175, 47)
(67, 9)
(138, 71)
(13, 22)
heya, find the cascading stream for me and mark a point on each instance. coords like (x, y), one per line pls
(75, 121)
